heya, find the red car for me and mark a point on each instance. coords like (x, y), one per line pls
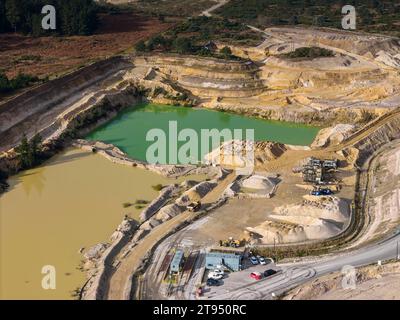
(256, 275)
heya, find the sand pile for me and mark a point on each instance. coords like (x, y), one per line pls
(258, 182)
(259, 186)
(169, 211)
(316, 218)
(329, 207)
(196, 193)
(239, 153)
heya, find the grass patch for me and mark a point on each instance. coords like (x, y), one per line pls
(308, 53)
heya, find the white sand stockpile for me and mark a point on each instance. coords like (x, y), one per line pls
(258, 185)
(314, 219)
(258, 182)
(241, 153)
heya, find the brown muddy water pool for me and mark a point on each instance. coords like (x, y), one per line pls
(74, 200)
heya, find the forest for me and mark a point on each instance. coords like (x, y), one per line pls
(381, 16)
(73, 17)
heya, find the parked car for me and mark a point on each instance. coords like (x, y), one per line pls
(262, 260)
(256, 275)
(269, 272)
(212, 282)
(322, 192)
(215, 276)
(218, 271)
(253, 260)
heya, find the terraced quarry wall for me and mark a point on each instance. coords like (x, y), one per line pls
(40, 108)
(337, 89)
(374, 137)
(207, 77)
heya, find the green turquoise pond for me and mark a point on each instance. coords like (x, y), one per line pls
(128, 130)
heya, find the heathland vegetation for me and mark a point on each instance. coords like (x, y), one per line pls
(308, 53)
(372, 15)
(197, 35)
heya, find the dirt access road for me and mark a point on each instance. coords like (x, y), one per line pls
(119, 281)
(208, 12)
(291, 158)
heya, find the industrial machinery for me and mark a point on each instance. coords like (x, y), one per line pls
(230, 243)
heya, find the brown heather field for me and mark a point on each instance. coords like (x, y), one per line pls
(54, 56)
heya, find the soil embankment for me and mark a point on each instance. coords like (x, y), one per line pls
(372, 282)
(47, 106)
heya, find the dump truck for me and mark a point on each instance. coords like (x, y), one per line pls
(194, 206)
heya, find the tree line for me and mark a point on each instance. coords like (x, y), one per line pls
(73, 17)
(19, 82)
(194, 36)
(372, 15)
(29, 152)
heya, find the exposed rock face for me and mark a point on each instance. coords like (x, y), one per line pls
(95, 251)
(47, 108)
(207, 77)
(332, 89)
(362, 44)
(333, 135)
(376, 138)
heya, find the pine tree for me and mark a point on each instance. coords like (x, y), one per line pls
(25, 153)
(3, 19)
(13, 13)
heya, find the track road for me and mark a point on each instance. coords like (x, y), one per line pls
(297, 274)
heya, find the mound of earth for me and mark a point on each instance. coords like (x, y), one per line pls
(196, 193)
(233, 153)
(372, 282)
(315, 219)
(168, 212)
(258, 182)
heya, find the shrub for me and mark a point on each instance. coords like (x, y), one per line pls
(127, 204)
(141, 46)
(157, 187)
(226, 52)
(309, 52)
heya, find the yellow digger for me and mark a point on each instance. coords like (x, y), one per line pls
(230, 243)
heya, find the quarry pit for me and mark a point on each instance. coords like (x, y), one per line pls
(354, 95)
